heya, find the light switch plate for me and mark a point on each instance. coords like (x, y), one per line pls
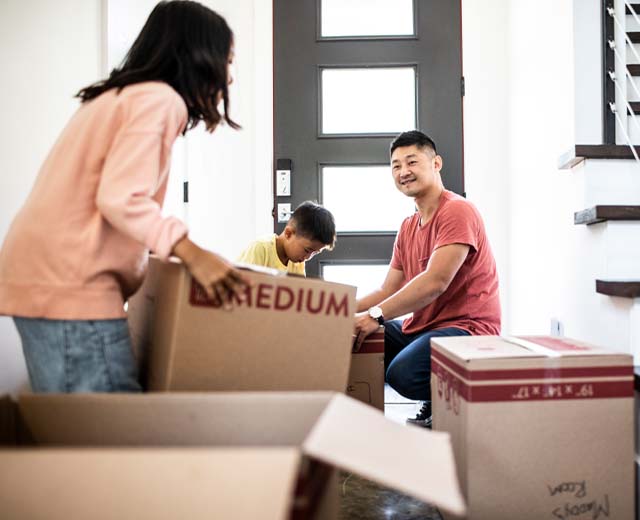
(284, 212)
(283, 183)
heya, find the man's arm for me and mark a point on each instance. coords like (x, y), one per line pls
(418, 293)
(428, 285)
(392, 284)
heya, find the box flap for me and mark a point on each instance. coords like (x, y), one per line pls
(476, 348)
(469, 348)
(357, 438)
(172, 419)
(188, 483)
(260, 269)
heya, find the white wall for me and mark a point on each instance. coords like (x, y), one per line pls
(518, 117)
(541, 126)
(49, 50)
(486, 133)
(516, 123)
(588, 62)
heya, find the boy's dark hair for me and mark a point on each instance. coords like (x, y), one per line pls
(186, 45)
(413, 137)
(314, 222)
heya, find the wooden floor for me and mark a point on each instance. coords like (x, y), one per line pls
(362, 499)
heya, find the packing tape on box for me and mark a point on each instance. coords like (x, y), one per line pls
(534, 347)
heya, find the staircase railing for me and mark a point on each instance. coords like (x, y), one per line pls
(616, 46)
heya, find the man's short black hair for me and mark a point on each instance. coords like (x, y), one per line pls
(314, 222)
(413, 137)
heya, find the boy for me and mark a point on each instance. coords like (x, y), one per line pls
(310, 230)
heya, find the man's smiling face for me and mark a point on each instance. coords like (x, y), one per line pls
(414, 170)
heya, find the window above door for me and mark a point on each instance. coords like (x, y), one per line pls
(365, 19)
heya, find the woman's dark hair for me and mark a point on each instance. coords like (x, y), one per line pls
(314, 222)
(186, 45)
(422, 141)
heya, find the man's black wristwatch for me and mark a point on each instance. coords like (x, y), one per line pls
(376, 313)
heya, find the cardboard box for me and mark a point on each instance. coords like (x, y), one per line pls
(226, 455)
(290, 333)
(8, 427)
(366, 375)
(542, 427)
(636, 384)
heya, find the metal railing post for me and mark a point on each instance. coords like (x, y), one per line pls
(608, 65)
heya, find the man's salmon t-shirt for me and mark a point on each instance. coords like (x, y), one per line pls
(471, 302)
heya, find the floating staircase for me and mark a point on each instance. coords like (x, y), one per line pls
(606, 177)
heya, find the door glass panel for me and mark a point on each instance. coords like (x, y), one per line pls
(379, 206)
(366, 278)
(353, 18)
(376, 100)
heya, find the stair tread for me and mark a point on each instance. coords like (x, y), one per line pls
(634, 36)
(622, 288)
(634, 69)
(580, 152)
(597, 214)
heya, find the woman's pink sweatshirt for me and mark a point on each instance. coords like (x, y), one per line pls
(78, 248)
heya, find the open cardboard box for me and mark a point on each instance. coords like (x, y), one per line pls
(542, 427)
(290, 333)
(225, 455)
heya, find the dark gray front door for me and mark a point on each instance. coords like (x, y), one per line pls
(340, 98)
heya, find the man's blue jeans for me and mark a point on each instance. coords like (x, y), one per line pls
(78, 356)
(407, 359)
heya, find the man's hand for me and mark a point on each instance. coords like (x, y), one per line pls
(364, 325)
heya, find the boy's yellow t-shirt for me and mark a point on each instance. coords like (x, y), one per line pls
(263, 252)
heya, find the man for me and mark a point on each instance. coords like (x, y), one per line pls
(442, 270)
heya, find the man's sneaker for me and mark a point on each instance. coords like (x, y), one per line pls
(423, 417)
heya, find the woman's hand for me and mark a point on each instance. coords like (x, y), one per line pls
(217, 276)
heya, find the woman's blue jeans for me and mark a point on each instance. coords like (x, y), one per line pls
(78, 356)
(407, 359)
